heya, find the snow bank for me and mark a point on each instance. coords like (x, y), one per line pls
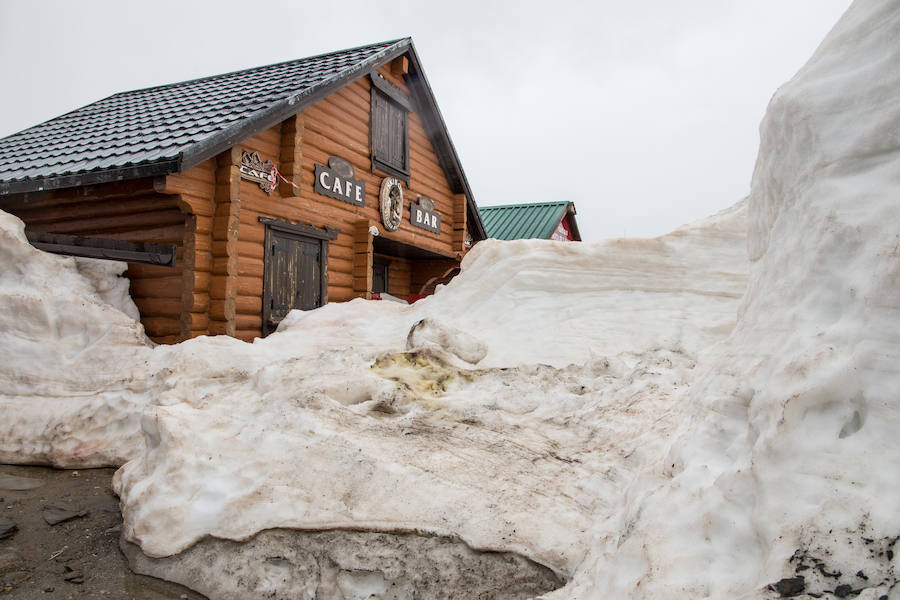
(67, 347)
(370, 416)
(561, 303)
(72, 382)
(784, 478)
(768, 470)
(569, 403)
(557, 303)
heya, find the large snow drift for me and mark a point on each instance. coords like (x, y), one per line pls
(345, 421)
(529, 302)
(73, 380)
(372, 416)
(579, 406)
(785, 472)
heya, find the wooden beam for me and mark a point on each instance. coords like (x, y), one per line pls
(225, 235)
(391, 91)
(362, 259)
(400, 66)
(291, 154)
(134, 252)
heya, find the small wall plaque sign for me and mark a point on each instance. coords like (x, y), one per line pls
(336, 181)
(424, 216)
(391, 203)
(254, 169)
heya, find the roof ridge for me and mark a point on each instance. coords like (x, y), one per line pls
(385, 44)
(525, 204)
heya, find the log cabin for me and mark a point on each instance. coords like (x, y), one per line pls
(239, 197)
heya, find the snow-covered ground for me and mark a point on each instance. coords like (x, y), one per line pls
(613, 411)
(507, 411)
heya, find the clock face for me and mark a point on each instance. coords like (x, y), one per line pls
(391, 197)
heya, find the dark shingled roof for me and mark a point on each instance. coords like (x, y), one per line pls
(171, 128)
(526, 221)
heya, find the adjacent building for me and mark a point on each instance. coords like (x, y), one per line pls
(238, 197)
(538, 220)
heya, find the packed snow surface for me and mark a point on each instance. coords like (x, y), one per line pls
(613, 411)
(492, 413)
(785, 470)
(73, 377)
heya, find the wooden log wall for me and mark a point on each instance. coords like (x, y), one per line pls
(338, 125)
(212, 216)
(399, 275)
(133, 211)
(193, 192)
(362, 260)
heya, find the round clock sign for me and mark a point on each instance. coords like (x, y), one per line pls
(391, 197)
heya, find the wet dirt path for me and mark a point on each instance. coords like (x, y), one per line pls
(59, 538)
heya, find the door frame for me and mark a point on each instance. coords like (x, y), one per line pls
(301, 232)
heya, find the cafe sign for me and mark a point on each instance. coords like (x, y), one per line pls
(254, 169)
(337, 181)
(424, 216)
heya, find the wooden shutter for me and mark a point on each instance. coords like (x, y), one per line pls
(390, 135)
(381, 127)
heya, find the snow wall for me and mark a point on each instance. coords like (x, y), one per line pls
(782, 480)
(564, 404)
(73, 377)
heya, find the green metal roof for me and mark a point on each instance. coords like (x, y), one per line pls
(522, 221)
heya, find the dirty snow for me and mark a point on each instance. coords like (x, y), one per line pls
(786, 465)
(613, 411)
(73, 380)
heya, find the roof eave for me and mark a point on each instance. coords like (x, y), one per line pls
(155, 169)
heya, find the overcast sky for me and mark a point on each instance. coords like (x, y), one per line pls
(645, 113)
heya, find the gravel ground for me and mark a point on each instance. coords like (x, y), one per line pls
(78, 556)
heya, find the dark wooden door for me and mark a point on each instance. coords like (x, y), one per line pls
(380, 270)
(292, 276)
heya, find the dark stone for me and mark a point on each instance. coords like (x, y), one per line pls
(7, 528)
(791, 586)
(843, 590)
(862, 575)
(833, 574)
(47, 590)
(54, 515)
(74, 577)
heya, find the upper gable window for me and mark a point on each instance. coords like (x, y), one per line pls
(390, 129)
